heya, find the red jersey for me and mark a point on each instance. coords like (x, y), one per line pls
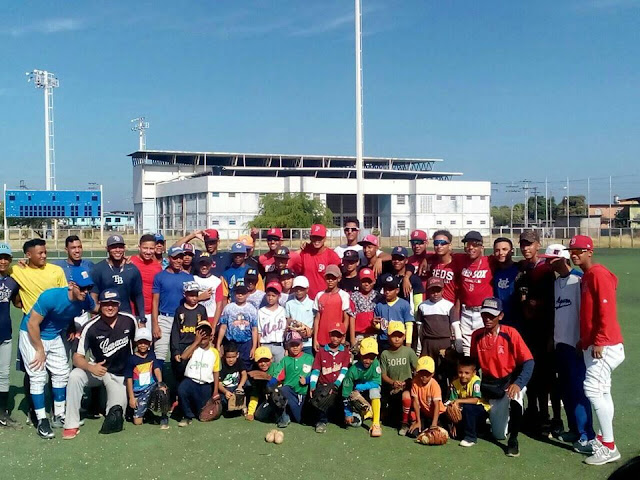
(329, 366)
(415, 261)
(475, 279)
(500, 355)
(446, 272)
(312, 265)
(598, 311)
(330, 306)
(147, 270)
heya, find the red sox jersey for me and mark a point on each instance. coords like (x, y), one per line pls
(475, 279)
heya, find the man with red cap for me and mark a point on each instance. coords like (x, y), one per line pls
(274, 242)
(419, 242)
(601, 342)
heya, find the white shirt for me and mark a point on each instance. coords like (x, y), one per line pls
(567, 318)
(358, 248)
(272, 325)
(202, 364)
(213, 283)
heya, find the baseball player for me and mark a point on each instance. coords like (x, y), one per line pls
(601, 342)
(73, 247)
(42, 347)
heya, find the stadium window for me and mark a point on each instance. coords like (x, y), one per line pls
(402, 224)
(469, 222)
(438, 222)
(401, 201)
(453, 197)
(483, 222)
(438, 197)
(215, 223)
(77, 198)
(94, 198)
(232, 195)
(108, 219)
(29, 197)
(482, 197)
(53, 198)
(469, 197)
(452, 222)
(232, 222)
(215, 194)
(117, 219)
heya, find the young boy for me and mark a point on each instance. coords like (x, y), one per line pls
(363, 303)
(238, 270)
(272, 322)
(398, 364)
(364, 376)
(292, 377)
(300, 314)
(239, 323)
(143, 375)
(201, 374)
(183, 331)
(263, 372)
(435, 334)
(255, 288)
(286, 282)
(465, 393)
(329, 369)
(211, 294)
(350, 282)
(426, 397)
(391, 308)
(280, 261)
(232, 376)
(330, 305)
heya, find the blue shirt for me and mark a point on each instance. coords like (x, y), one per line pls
(169, 286)
(301, 311)
(8, 290)
(70, 267)
(400, 311)
(240, 320)
(220, 261)
(504, 285)
(57, 311)
(125, 279)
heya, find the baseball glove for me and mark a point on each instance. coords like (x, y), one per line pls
(454, 412)
(159, 399)
(211, 410)
(113, 421)
(236, 402)
(278, 399)
(324, 396)
(359, 403)
(433, 436)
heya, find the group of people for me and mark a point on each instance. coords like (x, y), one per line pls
(320, 335)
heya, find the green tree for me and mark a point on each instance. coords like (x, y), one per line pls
(291, 211)
(577, 206)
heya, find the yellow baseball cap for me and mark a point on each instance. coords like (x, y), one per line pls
(427, 364)
(396, 326)
(368, 345)
(262, 352)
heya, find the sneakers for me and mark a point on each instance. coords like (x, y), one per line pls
(468, 443)
(69, 433)
(44, 429)
(512, 448)
(556, 429)
(58, 421)
(375, 430)
(603, 455)
(164, 423)
(403, 430)
(7, 422)
(284, 421)
(568, 437)
(185, 422)
(586, 447)
(321, 427)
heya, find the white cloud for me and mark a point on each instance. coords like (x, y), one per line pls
(47, 27)
(325, 26)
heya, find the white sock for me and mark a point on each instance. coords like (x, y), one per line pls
(58, 408)
(603, 408)
(41, 413)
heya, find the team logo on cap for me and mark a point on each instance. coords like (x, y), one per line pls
(316, 229)
(109, 295)
(491, 303)
(238, 245)
(117, 238)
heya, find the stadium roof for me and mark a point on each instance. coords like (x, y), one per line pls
(279, 165)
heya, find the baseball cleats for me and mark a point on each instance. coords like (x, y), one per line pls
(467, 443)
(513, 449)
(321, 427)
(586, 447)
(44, 429)
(185, 422)
(603, 455)
(375, 430)
(58, 421)
(7, 422)
(69, 433)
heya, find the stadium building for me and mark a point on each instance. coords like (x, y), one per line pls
(182, 191)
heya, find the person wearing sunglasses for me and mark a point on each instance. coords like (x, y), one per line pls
(419, 242)
(600, 341)
(351, 232)
(42, 347)
(441, 264)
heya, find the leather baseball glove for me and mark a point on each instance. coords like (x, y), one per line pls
(359, 403)
(211, 410)
(237, 401)
(454, 413)
(324, 396)
(433, 436)
(159, 399)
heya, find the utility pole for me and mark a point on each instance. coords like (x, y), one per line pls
(359, 142)
(140, 126)
(526, 203)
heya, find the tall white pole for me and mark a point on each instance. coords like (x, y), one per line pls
(568, 207)
(610, 210)
(359, 146)
(588, 203)
(546, 203)
(101, 217)
(47, 146)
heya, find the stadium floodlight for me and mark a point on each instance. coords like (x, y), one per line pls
(140, 125)
(47, 81)
(359, 142)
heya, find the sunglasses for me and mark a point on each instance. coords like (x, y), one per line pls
(350, 229)
(211, 241)
(273, 239)
(85, 289)
(417, 242)
(439, 243)
(577, 251)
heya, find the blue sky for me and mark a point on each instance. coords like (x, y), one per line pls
(502, 90)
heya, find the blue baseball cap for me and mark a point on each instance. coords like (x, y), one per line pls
(175, 251)
(109, 295)
(5, 249)
(238, 247)
(492, 306)
(400, 251)
(81, 277)
(159, 237)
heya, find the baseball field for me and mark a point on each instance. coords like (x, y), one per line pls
(235, 448)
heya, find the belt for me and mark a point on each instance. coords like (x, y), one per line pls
(164, 314)
(473, 309)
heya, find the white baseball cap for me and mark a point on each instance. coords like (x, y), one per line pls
(555, 250)
(301, 281)
(142, 334)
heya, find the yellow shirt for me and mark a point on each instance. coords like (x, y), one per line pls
(34, 281)
(470, 390)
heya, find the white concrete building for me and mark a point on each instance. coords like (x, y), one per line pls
(183, 191)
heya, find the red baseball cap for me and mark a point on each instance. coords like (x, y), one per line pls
(581, 241)
(211, 234)
(275, 232)
(337, 327)
(274, 285)
(419, 235)
(369, 239)
(367, 273)
(318, 230)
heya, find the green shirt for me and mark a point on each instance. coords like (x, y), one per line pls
(399, 364)
(290, 369)
(358, 374)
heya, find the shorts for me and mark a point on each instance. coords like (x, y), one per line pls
(142, 397)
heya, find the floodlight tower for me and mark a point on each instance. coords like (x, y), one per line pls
(359, 142)
(140, 125)
(47, 81)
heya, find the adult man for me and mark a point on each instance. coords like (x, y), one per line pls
(115, 273)
(351, 231)
(314, 260)
(419, 241)
(601, 342)
(149, 267)
(188, 265)
(42, 347)
(74, 260)
(507, 365)
(109, 337)
(504, 279)
(220, 261)
(160, 248)
(534, 290)
(274, 242)
(441, 264)
(475, 283)
(167, 295)
(8, 293)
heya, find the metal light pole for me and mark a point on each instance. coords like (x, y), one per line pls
(359, 143)
(47, 81)
(568, 231)
(140, 125)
